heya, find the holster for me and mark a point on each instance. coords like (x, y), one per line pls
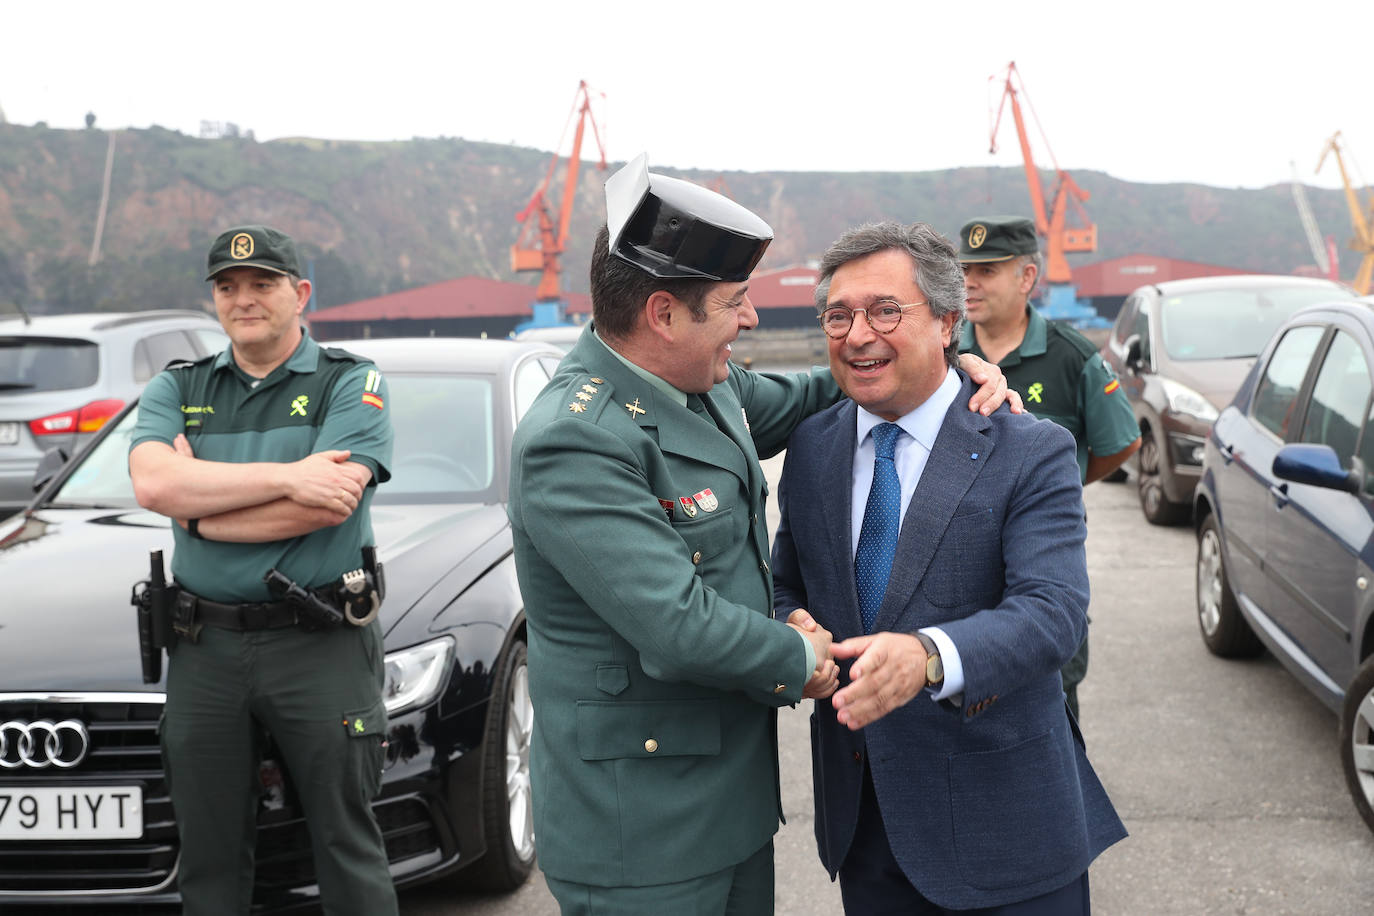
(155, 601)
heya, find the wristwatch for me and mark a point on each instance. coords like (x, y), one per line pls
(935, 669)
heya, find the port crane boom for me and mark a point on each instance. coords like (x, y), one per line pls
(1363, 240)
(1050, 223)
(541, 240)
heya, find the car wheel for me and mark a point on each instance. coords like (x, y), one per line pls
(506, 812)
(1357, 741)
(1156, 506)
(1224, 630)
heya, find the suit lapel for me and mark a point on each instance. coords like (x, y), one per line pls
(959, 455)
(833, 472)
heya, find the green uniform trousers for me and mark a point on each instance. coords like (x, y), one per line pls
(319, 695)
(745, 889)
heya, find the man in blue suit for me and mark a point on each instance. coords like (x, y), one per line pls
(949, 777)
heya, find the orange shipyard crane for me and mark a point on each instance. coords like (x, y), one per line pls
(1052, 223)
(1363, 240)
(542, 253)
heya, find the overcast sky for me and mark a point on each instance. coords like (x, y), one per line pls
(1217, 93)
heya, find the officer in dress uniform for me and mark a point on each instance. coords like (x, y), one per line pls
(266, 456)
(637, 506)
(1056, 370)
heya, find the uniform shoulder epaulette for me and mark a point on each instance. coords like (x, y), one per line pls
(585, 396)
(342, 355)
(188, 363)
(1085, 347)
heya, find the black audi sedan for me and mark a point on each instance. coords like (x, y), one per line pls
(1285, 521)
(85, 818)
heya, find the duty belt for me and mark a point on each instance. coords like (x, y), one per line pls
(262, 615)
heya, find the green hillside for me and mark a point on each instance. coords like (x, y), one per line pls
(373, 218)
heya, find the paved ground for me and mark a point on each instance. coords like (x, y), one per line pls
(1226, 773)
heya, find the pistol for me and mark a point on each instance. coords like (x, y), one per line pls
(316, 611)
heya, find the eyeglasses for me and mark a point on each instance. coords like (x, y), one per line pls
(883, 316)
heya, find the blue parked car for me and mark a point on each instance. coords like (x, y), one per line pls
(1284, 513)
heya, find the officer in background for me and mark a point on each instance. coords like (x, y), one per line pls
(641, 545)
(266, 456)
(1058, 372)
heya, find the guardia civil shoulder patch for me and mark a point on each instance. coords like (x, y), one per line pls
(371, 386)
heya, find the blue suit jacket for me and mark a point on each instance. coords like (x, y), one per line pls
(990, 800)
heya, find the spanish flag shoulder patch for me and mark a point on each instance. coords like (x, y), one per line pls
(371, 386)
(1112, 386)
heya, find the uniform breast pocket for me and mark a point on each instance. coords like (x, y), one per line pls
(707, 536)
(967, 568)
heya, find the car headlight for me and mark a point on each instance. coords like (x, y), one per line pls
(415, 676)
(1183, 399)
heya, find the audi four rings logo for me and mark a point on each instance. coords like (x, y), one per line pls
(43, 744)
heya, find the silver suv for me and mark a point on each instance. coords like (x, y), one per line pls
(63, 376)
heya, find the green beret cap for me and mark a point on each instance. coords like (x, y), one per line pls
(996, 238)
(253, 246)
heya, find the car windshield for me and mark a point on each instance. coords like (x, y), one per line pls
(444, 451)
(47, 364)
(1231, 323)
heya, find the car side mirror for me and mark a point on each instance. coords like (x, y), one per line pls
(1317, 465)
(48, 466)
(1133, 352)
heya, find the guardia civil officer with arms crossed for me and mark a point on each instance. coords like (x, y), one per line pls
(266, 455)
(637, 506)
(1056, 370)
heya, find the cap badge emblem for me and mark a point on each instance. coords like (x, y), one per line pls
(241, 246)
(977, 235)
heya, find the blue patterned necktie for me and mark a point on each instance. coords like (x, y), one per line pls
(882, 521)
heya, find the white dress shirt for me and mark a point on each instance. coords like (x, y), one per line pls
(920, 426)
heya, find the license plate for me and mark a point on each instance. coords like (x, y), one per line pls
(84, 813)
(9, 433)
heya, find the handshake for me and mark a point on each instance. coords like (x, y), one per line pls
(826, 678)
(888, 671)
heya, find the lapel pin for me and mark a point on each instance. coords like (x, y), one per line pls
(688, 506)
(635, 409)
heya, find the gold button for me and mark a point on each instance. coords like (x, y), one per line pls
(696, 558)
(779, 688)
(651, 745)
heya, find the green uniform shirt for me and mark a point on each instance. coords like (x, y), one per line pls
(318, 399)
(1061, 377)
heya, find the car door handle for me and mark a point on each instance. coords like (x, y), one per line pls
(1228, 452)
(1280, 494)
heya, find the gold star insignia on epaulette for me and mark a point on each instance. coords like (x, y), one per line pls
(596, 381)
(577, 407)
(583, 396)
(589, 389)
(634, 408)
